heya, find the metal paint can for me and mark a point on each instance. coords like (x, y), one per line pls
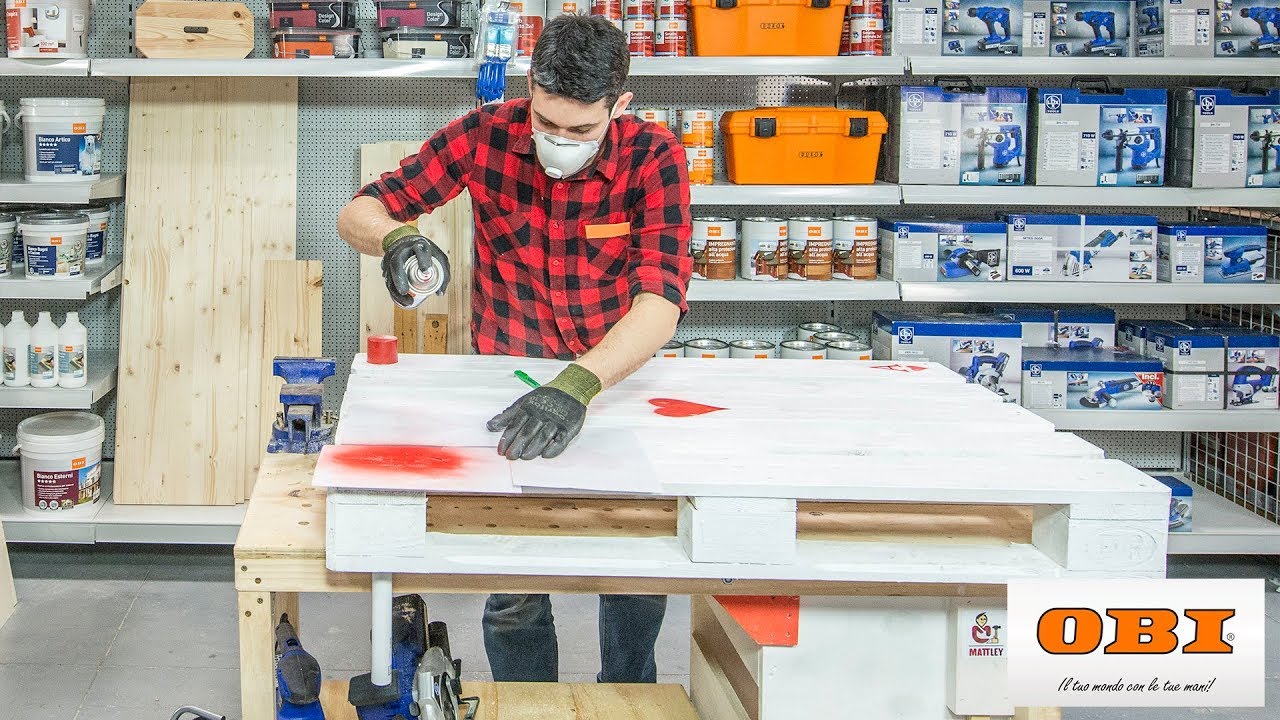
(754, 349)
(848, 350)
(714, 246)
(706, 348)
(609, 9)
(658, 116)
(673, 349)
(873, 8)
(802, 350)
(701, 163)
(809, 248)
(833, 336)
(671, 37)
(866, 35)
(639, 32)
(854, 248)
(529, 26)
(698, 128)
(672, 8)
(639, 8)
(763, 255)
(808, 330)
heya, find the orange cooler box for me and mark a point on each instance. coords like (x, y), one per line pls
(802, 145)
(767, 27)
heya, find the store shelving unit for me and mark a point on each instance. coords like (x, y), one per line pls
(16, 189)
(271, 67)
(1220, 527)
(726, 193)
(46, 68)
(1092, 292)
(102, 380)
(1015, 195)
(791, 290)
(98, 278)
(1165, 420)
(1125, 67)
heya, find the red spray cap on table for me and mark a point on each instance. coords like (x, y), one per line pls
(383, 349)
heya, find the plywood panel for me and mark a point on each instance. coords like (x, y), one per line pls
(440, 324)
(211, 186)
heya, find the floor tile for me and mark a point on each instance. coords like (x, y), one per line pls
(132, 693)
(65, 621)
(47, 692)
(179, 624)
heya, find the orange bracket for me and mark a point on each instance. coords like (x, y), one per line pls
(768, 619)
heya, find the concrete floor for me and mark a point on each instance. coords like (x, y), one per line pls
(131, 633)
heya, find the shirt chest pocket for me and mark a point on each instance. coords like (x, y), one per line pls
(604, 244)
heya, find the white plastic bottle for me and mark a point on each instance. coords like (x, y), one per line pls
(73, 359)
(43, 357)
(17, 345)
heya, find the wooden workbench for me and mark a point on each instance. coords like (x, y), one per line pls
(280, 552)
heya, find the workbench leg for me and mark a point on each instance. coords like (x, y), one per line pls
(259, 612)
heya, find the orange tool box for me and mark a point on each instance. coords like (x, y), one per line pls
(802, 145)
(767, 27)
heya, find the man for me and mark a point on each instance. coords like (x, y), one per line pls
(581, 253)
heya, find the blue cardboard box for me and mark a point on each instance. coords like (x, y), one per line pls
(1056, 379)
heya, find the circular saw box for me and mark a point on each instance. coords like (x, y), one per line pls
(192, 29)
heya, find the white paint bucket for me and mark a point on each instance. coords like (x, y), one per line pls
(4, 123)
(8, 228)
(802, 350)
(706, 348)
(62, 138)
(752, 349)
(48, 28)
(18, 255)
(96, 243)
(61, 462)
(55, 243)
(672, 349)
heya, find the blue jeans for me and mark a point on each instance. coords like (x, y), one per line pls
(520, 638)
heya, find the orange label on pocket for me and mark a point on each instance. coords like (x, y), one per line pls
(597, 232)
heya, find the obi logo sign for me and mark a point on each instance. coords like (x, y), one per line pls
(1136, 643)
(1053, 103)
(1208, 104)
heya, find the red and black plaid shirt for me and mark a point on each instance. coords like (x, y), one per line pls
(556, 261)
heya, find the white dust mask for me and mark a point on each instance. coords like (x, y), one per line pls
(562, 157)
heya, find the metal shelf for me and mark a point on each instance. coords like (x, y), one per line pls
(48, 68)
(102, 380)
(272, 67)
(99, 278)
(175, 524)
(725, 193)
(1134, 66)
(1090, 292)
(791, 290)
(1165, 420)
(865, 66)
(1220, 527)
(16, 189)
(1099, 196)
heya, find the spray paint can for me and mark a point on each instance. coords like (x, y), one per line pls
(808, 330)
(754, 349)
(848, 350)
(423, 282)
(802, 350)
(854, 248)
(809, 248)
(706, 348)
(672, 349)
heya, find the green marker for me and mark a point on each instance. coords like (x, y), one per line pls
(524, 378)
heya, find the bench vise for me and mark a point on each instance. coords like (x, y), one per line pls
(302, 427)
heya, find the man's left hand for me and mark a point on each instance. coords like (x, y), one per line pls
(545, 420)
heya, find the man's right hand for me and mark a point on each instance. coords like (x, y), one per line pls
(397, 248)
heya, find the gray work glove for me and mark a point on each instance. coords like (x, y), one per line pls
(546, 419)
(398, 247)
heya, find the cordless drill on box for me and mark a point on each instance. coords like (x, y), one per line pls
(991, 17)
(1005, 141)
(1267, 18)
(1100, 20)
(1269, 139)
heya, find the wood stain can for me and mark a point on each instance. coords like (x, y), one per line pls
(672, 349)
(671, 37)
(802, 350)
(706, 348)
(657, 116)
(752, 349)
(714, 246)
(809, 248)
(698, 128)
(701, 164)
(608, 9)
(763, 250)
(854, 248)
(848, 350)
(808, 330)
(672, 8)
(639, 31)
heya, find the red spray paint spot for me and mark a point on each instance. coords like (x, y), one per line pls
(669, 407)
(900, 368)
(398, 458)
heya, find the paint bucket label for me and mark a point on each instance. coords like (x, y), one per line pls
(610, 9)
(763, 253)
(69, 154)
(529, 26)
(11, 363)
(47, 28)
(866, 35)
(714, 246)
(871, 8)
(854, 248)
(672, 8)
(671, 38)
(65, 489)
(657, 116)
(809, 249)
(702, 165)
(56, 259)
(6, 250)
(71, 361)
(673, 349)
(639, 36)
(697, 128)
(96, 241)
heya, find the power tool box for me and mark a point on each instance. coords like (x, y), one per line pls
(942, 251)
(1092, 135)
(990, 28)
(1089, 28)
(1081, 327)
(1096, 379)
(955, 133)
(1211, 253)
(1131, 334)
(1194, 390)
(1225, 138)
(766, 27)
(1180, 503)
(1247, 28)
(1091, 248)
(1174, 28)
(986, 349)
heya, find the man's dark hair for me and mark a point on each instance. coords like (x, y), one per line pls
(582, 57)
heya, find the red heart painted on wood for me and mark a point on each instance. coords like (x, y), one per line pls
(900, 368)
(670, 407)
